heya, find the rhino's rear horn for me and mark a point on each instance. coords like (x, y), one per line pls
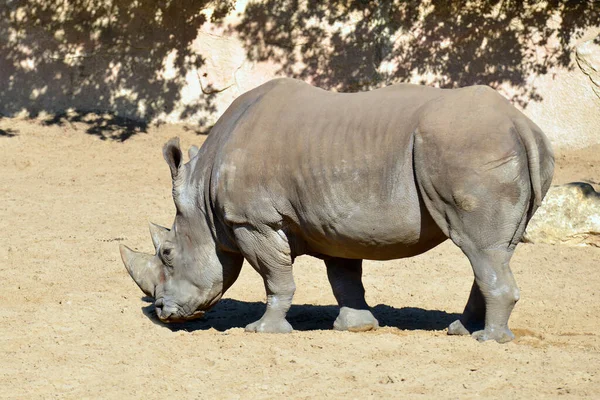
(193, 151)
(159, 234)
(143, 268)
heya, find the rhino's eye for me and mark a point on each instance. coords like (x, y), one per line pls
(166, 255)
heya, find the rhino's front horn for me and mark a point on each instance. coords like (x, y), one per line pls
(143, 268)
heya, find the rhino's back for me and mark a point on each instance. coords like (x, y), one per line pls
(335, 168)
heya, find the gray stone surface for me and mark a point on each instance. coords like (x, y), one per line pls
(570, 214)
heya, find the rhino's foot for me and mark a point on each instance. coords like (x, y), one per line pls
(457, 328)
(270, 326)
(460, 328)
(354, 320)
(500, 335)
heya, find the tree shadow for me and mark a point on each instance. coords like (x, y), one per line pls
(105, 125)
(106, 57)
(8, 133)
(230, 313)
(201, 130)
(352, 45)
(128, 61)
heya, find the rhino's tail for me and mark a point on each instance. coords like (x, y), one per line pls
(533, 157)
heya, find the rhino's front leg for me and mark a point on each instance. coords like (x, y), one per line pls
(345, 277)
(268, 252)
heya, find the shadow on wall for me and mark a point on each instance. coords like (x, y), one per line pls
(105, 60)
(103, 56)
(353, 45)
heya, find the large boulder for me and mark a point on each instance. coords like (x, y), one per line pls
(570, 214)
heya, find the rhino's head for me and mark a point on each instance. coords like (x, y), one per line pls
(188, 273)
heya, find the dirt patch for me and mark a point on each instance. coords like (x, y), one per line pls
(75, 325)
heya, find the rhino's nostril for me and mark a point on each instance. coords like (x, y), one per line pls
(158, 305)
(162, 314)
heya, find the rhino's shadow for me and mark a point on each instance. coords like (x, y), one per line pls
(230, 313)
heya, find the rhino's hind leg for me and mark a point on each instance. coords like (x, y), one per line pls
(473, 317)
(268, 252)
(499, 290)
(345, 277)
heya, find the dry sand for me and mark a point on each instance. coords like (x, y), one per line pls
(74, 325)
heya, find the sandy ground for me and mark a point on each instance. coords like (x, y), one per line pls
(74, 325)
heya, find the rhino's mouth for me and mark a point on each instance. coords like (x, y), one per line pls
(171, 312)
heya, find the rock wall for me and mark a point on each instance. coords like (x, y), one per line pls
(186, 60)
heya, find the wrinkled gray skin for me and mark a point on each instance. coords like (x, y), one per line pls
(290, 169)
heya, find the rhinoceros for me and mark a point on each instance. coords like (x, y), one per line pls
(291, 169)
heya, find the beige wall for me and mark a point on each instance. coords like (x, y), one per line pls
(186, 60)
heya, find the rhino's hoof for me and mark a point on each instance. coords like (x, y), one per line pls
(270, 326)
(457, 328)
(354, 320)
(500, 335)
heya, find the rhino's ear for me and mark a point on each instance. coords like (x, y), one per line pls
(193, 152)
(159, 234)
(173, 156)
